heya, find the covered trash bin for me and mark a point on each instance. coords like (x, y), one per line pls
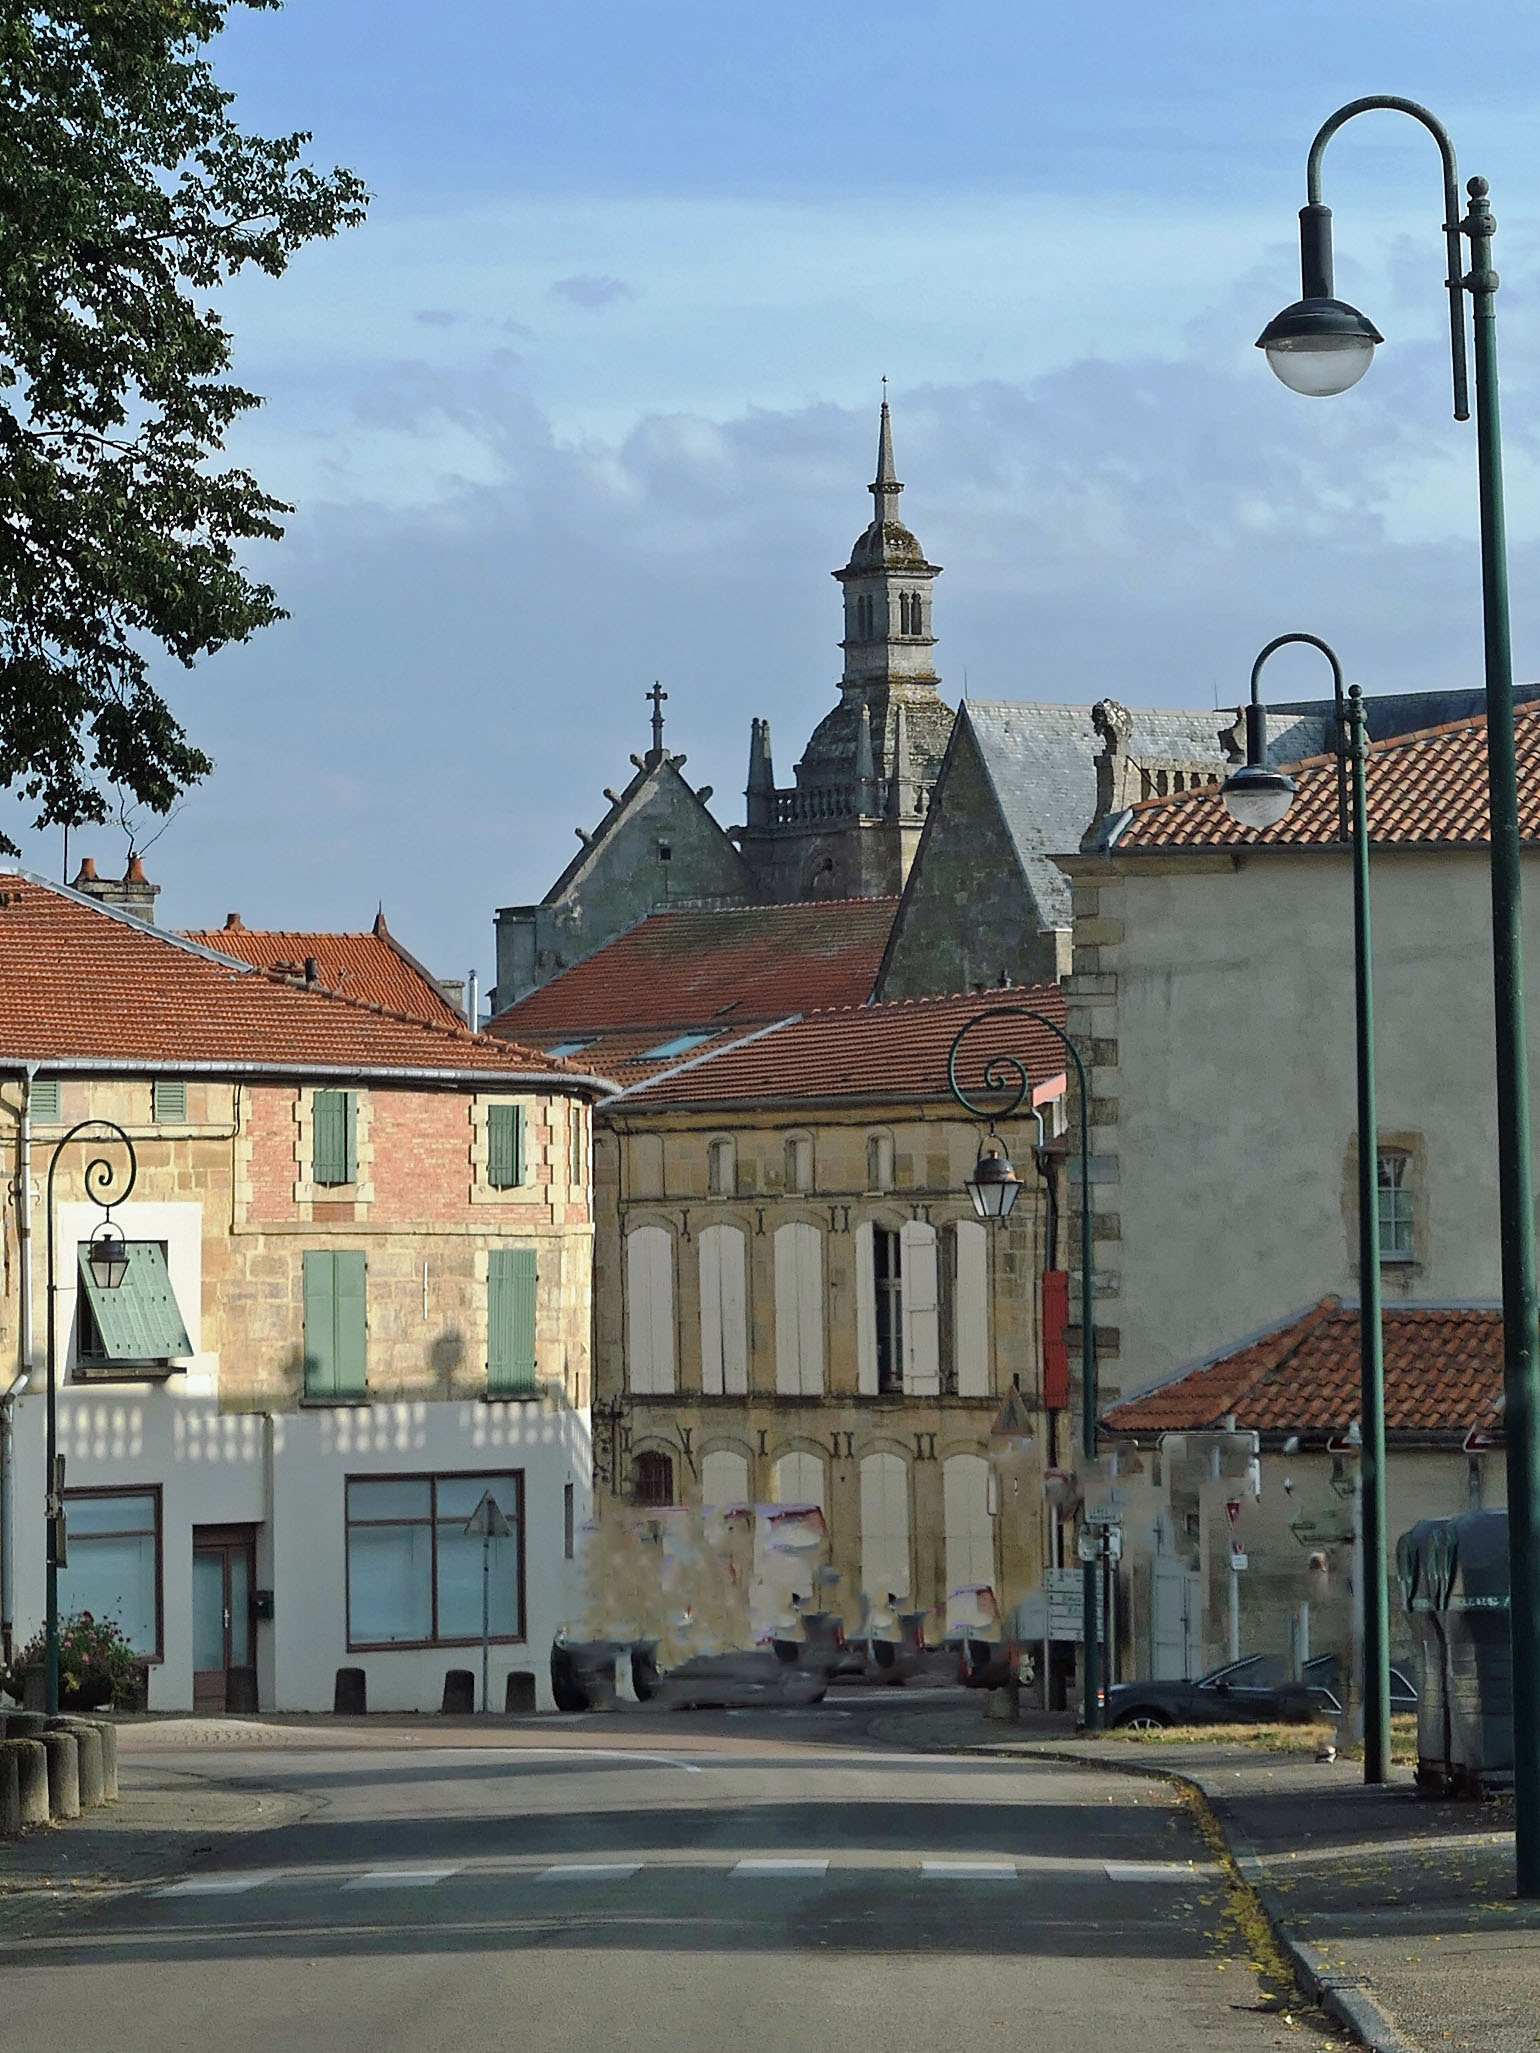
(1454, 1583)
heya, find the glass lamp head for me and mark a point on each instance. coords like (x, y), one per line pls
(108, 1257)
(994, 1183)
(1319, 346)
(1257, 797)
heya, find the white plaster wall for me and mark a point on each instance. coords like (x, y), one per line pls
(1235, 1086)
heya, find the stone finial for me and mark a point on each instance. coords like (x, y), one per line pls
(1114, 724)
(760, 794)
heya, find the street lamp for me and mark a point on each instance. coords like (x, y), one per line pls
(992, 1188)
(107, 1258)
(1521, 1326)
(1247, 797)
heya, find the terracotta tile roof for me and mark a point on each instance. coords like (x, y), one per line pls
(83, 985)
(730, 969)
(1425, 787)
(1443, 1374)
(372, 966)
(871, 1052)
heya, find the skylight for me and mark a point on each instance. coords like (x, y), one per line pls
(681, 1044)
(572, 1047)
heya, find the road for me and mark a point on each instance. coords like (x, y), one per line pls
(770, 1882)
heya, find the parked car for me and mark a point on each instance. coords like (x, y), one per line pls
(1323, 1676)
(1251, 1688)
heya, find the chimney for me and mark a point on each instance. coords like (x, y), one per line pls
(234, 923)
(761, 786)
(132, 892)
(312, 970)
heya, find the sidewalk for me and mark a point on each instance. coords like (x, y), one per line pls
(1397, 1910)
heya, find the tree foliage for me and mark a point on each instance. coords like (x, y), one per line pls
(128, 196)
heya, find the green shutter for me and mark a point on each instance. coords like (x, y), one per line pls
(139, 1321)
(44, 1100)
(505, 1146)
(334, 1323)
(511, 1280)
(335, 1119)
(170, 1100)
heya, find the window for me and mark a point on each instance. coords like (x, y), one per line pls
(650, 1310)
(139, 1323)
(724, 1478)
(335, 1137)
(168, 1100)
(577, 1147)
(568, 1521)
(799, 1479)
(571, 1047)
(888, 1264)
(970, 1541)
(903, 612)
(884, 1527)
(334, 1323)
(43, 1100)
(968, 1268)
(879, 1161)
(724, 1335)
(112, 1539)
(722, 1168)
(798, 1310)
(652, 1478)
(681, 1044)
(505, 1146)
(414, 1574)
(1396, 1218)
(914, 614)
(665, 852)
(511, 1297)
(799, 1162)
(922, 1322)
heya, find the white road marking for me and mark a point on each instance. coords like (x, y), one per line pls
(221, 1885)
(591, 1871)
(773, 1868)
(970, 1871)
(579, 1754)
(403, 1878)
(1149, 1871)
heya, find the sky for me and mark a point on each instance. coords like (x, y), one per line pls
(591, 399)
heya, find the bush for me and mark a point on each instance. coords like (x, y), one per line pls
(94, 1657)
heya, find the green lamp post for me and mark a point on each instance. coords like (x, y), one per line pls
(1320, 346)
(1259, 797)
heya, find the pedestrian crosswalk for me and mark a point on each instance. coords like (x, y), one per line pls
(771, 1868)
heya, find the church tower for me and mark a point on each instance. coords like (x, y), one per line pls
(849, 826)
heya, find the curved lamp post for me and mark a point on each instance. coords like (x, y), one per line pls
(1320, 345)
(1257, 797)
(107, 1257)
(992, 1188)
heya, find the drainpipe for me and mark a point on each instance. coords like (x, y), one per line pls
(23, 1367)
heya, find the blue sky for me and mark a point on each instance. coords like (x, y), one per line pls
(591, 398)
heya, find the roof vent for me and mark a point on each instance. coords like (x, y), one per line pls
(312, 970)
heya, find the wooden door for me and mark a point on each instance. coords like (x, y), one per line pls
(224, 1633)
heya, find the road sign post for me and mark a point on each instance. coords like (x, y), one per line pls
(487, 1524)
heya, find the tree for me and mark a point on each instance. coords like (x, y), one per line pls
(128, 196)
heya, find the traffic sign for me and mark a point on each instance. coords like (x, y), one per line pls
(1238, 1561)
(1108, 1513)
(1012, 1421)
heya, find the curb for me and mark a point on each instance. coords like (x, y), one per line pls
(1345, 1999)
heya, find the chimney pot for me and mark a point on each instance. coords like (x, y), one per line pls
(87, 870)
(134, 874)
(312, 970)
(233, 923)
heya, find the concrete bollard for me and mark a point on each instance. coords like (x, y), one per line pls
(63, 1752)
(350, 1693)
(31, 1760)
(109, 1738)
(10, 1792)
(24, 1725)
(519, 1694)
(459, 1693)
(88, 1765)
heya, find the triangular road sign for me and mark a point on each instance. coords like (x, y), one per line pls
(487, 1522)
(1012, 1421)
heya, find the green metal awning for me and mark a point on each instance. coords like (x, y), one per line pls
(139, 1321)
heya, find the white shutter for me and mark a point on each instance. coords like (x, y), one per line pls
(799, 1479)
(970, 1309)
(810, 1308)
(650, 1309)
(884, 1527)
(866, 1309)
(709, 1248)
(724, 1479)
(788, 1330)
(922, 1349)
(798, 1310)
(970, 1539)
(723, 1309)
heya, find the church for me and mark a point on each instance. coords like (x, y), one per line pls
(849, 824)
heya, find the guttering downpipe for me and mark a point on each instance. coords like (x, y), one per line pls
(23, 1367)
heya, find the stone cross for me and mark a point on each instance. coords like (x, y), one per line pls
(657, 696)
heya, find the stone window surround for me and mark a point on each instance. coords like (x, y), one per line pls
(535, 1151)
(307, 1192)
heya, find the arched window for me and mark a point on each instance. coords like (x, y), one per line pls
(724, 1478)
(799, 1310)
(650, 1309)
(914, 614)
(799, 1479)
(722, 1167)
(799, 1161)
(724, 1332)
(884, 1527)
(970, 1537)
(879, 1161)
(652, 1478)
(903, 612)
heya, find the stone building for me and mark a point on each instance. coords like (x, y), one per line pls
(795, 1305)
(357, 1297)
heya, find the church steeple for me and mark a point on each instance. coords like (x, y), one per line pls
(885, 487)
(888, 637)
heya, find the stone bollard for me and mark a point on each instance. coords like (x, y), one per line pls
(10, 1792)
(459, 1693)
(350, 1693)
(24, 1725)
(1002, 1703)
(109, 1737)
(519, 1694)
(88, 1765)
(63, 1751)
(31, 1759)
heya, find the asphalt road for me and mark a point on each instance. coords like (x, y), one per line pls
(769, 1883)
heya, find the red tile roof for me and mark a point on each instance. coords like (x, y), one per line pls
(870, 1052)
(730, 969)
(84, 986)
(1426, 787)
(372, 966)
(1443, 1374)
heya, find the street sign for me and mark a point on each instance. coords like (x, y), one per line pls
(1064, 1589)
(1478, 1441)
(1012, 1421)
(1232, 1509)
(1110, 1512)
(1239, 1561)
(1316, 1532)
(486, 1523)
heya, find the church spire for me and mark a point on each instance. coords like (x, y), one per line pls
(885, 487)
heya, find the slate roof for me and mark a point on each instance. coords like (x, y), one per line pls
(1421, 788)
(870, 1053)
(372, 965)
(86, 987)
(729, 969)
(1443, 1374)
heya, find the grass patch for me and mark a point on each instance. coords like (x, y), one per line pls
(1272, 1739)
